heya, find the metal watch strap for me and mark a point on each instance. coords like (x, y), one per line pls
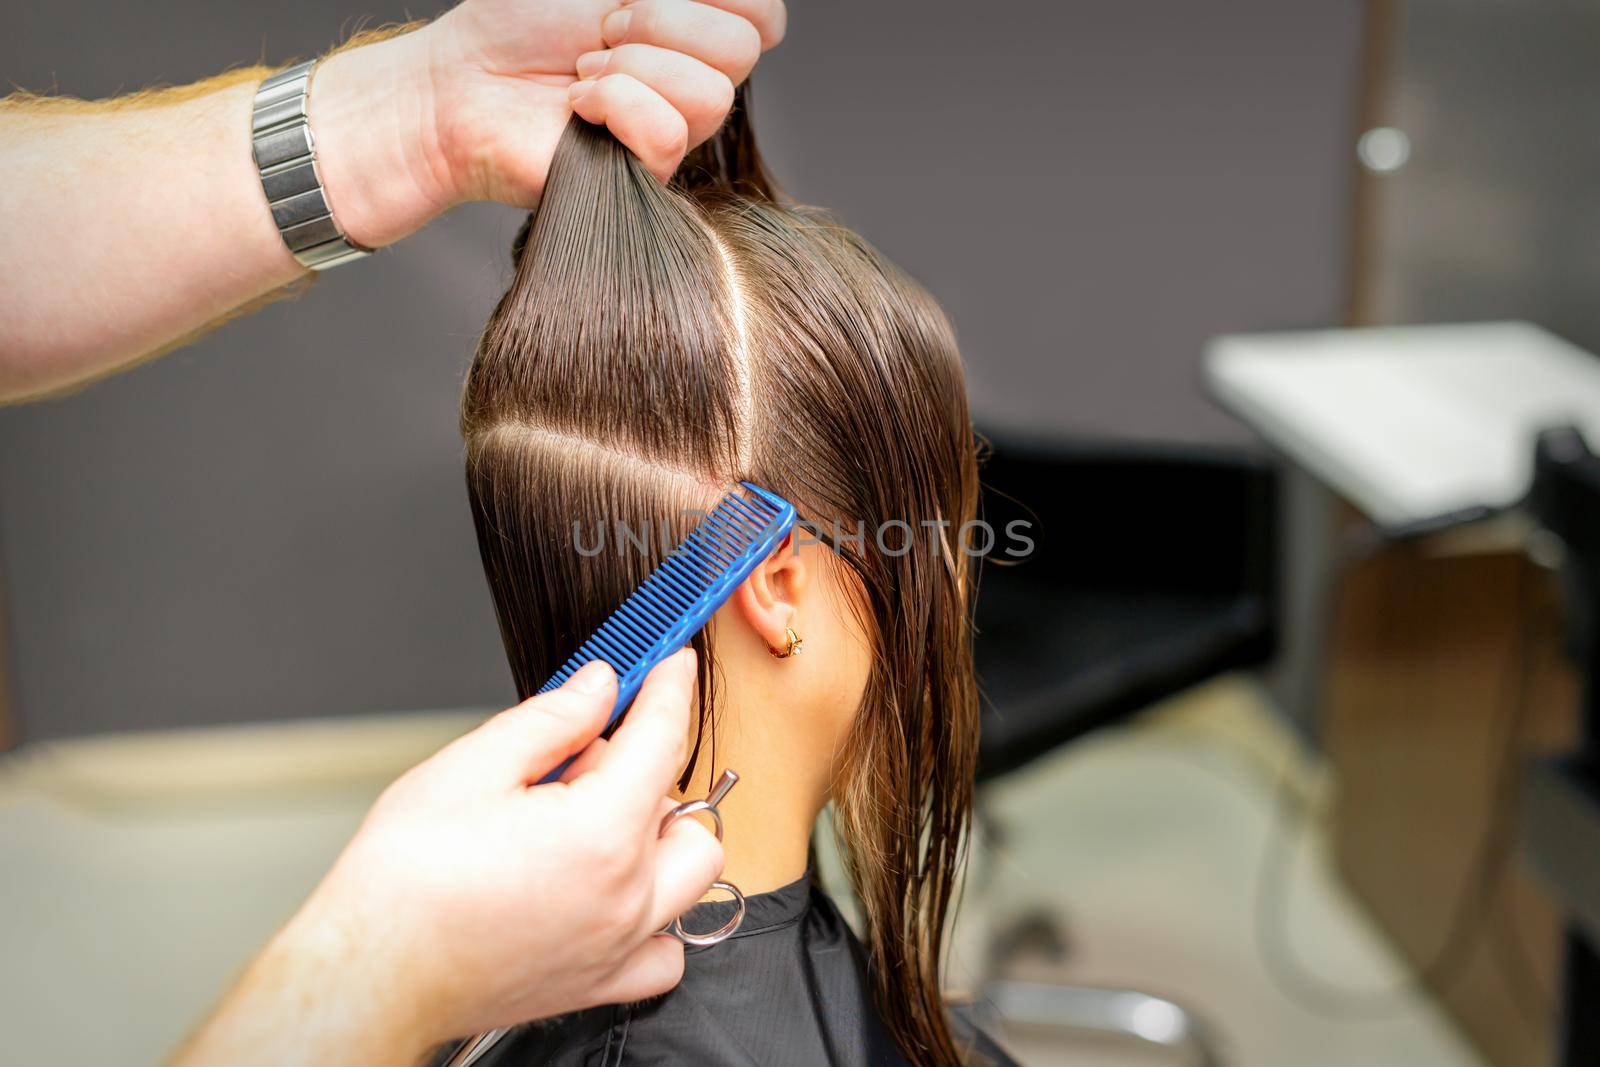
(286, 155)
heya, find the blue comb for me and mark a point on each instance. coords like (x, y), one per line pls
(681, 594)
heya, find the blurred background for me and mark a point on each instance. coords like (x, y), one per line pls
(1264, 307)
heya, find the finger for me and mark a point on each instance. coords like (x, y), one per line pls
(713, 36)
(644, 756)
(769, 17)
(650, 970)
(587, 760)
(688, 860)
(639, 116)
(701, 94)
(525, 743)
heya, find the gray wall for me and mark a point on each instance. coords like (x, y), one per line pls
(1506, 136)
(271, 523)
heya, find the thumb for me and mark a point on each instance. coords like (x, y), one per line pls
(526, 742)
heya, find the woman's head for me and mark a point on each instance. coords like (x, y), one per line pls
(659, 345)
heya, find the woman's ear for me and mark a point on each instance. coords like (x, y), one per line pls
(775, 593)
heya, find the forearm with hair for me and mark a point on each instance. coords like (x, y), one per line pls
(131, 225)
(309, 1000)
(134, 225)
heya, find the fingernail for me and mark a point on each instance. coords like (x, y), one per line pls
(578, 90)
(593, 677)
(686, 661)
(590, 64)
(615, 26)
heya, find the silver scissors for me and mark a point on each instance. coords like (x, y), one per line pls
(475, 1048)
(709, 806)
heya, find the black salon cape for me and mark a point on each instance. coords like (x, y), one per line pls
(787, 990)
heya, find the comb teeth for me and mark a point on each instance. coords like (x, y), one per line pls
(682, 593)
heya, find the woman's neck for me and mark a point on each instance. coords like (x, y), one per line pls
(768, 816)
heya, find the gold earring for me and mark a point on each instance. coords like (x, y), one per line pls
(792, 642)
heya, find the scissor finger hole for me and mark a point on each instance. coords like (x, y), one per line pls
(727, 929)
(703, 812)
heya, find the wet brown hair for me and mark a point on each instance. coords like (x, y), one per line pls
(660, 343)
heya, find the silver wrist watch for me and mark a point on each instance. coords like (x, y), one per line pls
(286, 155)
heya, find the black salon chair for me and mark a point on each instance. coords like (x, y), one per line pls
(1560, 816)
(1152, 572)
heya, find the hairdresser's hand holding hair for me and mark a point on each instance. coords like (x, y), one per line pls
(471, 898)
(142, 219)
(491, 84)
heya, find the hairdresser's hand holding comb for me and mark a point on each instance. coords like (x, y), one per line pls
(472, 899)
